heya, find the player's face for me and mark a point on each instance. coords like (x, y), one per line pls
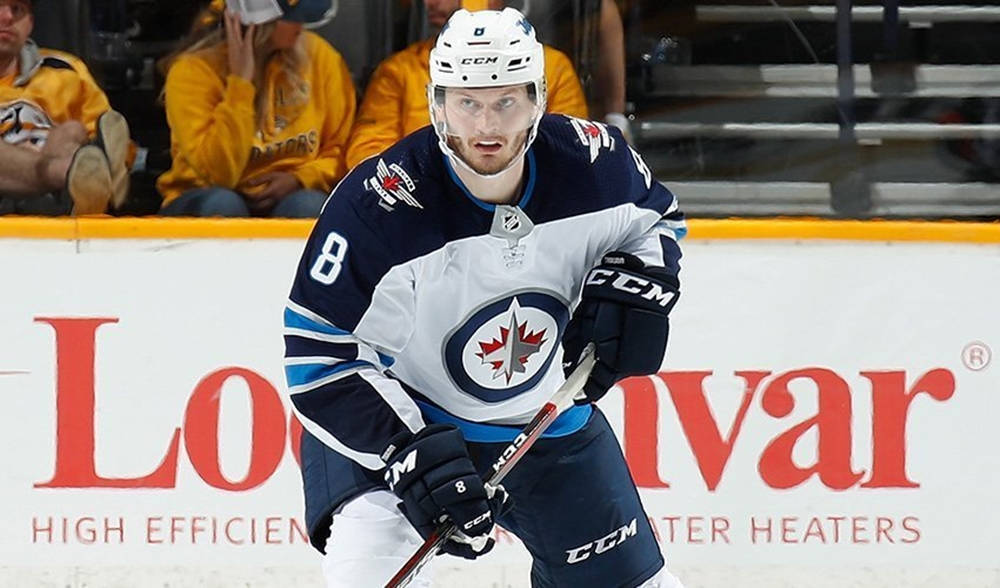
(285, 34)
(16, 23)
(487, 127)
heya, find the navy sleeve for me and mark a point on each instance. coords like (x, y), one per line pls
(656, 224)
(334, 361)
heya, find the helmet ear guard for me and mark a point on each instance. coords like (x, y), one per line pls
(438, 95)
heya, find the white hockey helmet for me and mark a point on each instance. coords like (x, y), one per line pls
(486, 49)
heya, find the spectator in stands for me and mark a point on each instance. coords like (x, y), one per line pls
(259, 113)
(63, 149)
(592, 32)
(609, 79)
(395, 101)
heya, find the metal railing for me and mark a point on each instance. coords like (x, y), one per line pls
(737, 13)
(928, 199)
(862, 131)
(853, 168)
(816, 81)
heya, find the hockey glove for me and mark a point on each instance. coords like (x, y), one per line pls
(432, 474)
(624, 310)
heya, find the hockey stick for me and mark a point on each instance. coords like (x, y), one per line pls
(508, 458)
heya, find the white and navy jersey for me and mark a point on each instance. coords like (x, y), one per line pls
(415, 302)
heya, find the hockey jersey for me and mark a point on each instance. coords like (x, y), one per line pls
(50, 88)
(414, 302)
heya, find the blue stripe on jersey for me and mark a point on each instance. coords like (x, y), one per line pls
(295, 320)
(567, 423)
(298, 375)
(309, 347)
(529, 189)
(675, 220)
(461, 184)
(335, 406)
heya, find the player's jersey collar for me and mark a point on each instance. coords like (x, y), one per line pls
(529, 186)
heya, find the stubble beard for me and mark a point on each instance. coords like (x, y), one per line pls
(490, 165)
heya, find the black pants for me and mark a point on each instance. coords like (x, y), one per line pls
(53, 204)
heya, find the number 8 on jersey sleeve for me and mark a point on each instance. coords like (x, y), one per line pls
(331, 259)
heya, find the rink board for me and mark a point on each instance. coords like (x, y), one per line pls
(826, 414)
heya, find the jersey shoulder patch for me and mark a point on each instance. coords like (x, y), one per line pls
(583, 139)
(395, 198)
(393, 185)
(400, 178)
(593, 136)
(593, 162)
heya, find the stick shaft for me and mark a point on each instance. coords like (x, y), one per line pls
(505, 463)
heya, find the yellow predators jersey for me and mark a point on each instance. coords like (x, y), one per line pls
(214, 135)
(55, 89)
(395, 102)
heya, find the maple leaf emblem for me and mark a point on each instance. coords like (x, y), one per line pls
(593, 136)
(390, 183)
(509, 354)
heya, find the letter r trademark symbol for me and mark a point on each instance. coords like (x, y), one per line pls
(977, 356)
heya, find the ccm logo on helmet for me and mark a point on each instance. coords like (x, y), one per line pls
(631, 284)
(478, 60)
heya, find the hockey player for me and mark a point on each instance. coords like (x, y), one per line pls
(430, 316)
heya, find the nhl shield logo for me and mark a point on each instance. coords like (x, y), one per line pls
(505, 348)
(511, 222)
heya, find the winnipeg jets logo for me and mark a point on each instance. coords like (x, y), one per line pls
(593, 136)
(505, 347)
(509, 353)
(393, 185)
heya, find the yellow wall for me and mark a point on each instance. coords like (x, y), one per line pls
(172, 228)
(475, 4)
